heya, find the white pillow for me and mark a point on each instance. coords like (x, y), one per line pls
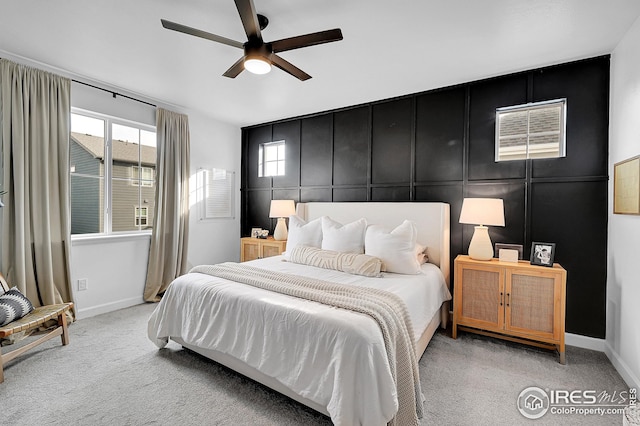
(396, 248)
(302, 233)
(347, 238)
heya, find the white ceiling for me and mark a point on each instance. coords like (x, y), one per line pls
(390, 48)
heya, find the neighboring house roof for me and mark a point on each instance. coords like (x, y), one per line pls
(125, 152)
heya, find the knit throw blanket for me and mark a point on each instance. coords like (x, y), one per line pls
(388, 310)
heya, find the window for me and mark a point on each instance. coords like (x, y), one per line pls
(535, 130)
(271, 159)
(142, 215)
(112, 168)
(142, 175)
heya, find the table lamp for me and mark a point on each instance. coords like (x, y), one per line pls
(281, 209)
(481, 212)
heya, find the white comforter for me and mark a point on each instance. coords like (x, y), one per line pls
(333, 357)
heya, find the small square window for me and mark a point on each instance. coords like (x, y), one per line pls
(534, 130)
(271, 159)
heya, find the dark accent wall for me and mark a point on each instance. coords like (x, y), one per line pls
(439, 146)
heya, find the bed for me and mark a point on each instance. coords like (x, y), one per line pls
(328, 358)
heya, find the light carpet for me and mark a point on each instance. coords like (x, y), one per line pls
(111, 374)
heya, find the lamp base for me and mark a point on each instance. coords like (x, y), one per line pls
(481, 247)
(280, 233)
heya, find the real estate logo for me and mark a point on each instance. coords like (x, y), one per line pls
(533, 402)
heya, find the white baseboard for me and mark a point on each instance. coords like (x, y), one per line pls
(584, 342)
(623, 369)
(108, 307)
(602, 345)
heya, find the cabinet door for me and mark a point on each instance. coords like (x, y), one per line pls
(271, 249)
(479, 301)
(250, 250)
(533, 303)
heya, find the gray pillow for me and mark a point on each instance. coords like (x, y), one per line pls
(13, 305)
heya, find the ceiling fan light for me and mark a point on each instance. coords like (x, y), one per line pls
(257, 65)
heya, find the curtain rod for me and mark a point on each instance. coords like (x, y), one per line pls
(115, 93)
(87, 84)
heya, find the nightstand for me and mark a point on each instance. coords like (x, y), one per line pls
(257, 248)
(519, 302)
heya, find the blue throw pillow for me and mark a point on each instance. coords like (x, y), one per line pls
(13, 305)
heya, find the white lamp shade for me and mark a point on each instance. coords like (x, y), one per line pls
(482, 211)
(282, 208)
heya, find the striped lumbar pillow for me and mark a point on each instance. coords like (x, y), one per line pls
(13, 305)
(351, 263)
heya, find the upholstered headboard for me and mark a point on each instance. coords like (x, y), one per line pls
(432, 221)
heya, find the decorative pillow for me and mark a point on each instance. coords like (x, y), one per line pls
(352, 263)
(347, 238)
(4, 287)
(13, 305)
(421, 254)
(302, 233)
(396, 248)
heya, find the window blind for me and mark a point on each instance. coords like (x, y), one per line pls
(217, 191)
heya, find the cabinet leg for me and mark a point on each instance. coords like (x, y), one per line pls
(454, 331)
(563, 359)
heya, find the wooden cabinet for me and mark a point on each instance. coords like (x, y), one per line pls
(514, 301)
(257, 248)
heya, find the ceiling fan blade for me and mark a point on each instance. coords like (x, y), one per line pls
(199, 33)
(306, 40)
(249, 18)
(289, 67)
(235, 69)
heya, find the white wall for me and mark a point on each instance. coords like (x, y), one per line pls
(115, 269)
(623, 281)
(213, 145)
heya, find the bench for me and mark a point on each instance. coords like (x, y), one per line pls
(32, 321)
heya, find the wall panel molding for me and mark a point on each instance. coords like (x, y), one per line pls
(439, 146)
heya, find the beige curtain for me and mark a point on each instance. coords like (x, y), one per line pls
(168, 252)
(34, 132)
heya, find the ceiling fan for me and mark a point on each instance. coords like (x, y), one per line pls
(259, 55)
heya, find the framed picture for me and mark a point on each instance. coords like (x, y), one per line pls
(626, 186)
(256, 232)
(542, 253)
(500, 246)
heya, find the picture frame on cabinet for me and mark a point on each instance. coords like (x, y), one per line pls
(503, 246)
(256, 232)
(542, 254)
